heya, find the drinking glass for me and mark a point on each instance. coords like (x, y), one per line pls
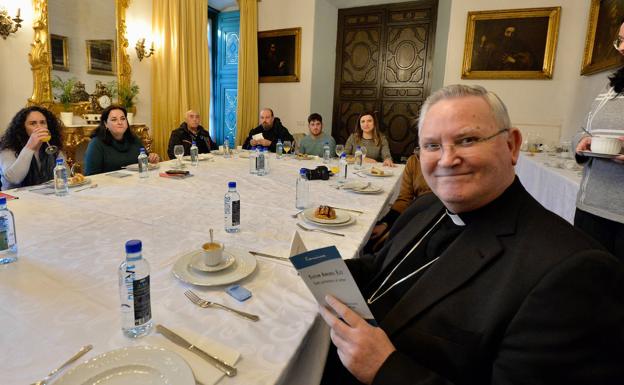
(363, 149)
(178, 151)
(50, 149)
(339, 149)
(287, 146)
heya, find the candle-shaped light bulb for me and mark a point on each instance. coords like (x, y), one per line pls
(18, 13)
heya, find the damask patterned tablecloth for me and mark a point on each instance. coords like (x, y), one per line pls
(63, 292)
(548, 180)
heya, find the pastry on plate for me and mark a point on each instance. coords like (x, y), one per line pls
(76, 179)
(325, 212)
(376, 171)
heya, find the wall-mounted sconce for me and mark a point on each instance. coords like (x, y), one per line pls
(141, 51)
(8, 25)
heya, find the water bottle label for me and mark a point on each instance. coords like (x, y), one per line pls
(142, 305)
(4, 234)
(235, 213)
(260, 163)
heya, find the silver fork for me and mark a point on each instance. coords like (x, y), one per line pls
(206, 304)
(302, 227)
(295, 215)
(75, 357)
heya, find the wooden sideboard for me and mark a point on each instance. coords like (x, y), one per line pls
(76, 135)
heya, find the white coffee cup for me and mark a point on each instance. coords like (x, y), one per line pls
(605, 145)
(213, 253)
(221, 148)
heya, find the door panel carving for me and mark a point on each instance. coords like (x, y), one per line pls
(384, 64)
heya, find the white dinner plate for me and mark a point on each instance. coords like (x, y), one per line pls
(243, 154)
(200, 157)
(216, 152)
(137, 365)
(82, 183)
(370, 189)
(135, 166)
(349, 222)
(244, 265)
(198, 263)
(341, 217)
(599, 155)
(386, 173)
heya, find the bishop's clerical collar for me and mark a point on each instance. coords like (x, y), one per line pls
(456, 219)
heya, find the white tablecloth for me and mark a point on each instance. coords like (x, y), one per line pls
(63, 291)
(554, 187)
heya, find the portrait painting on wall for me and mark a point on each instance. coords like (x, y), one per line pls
(603, 27)
(101, 57)
(511, 44)
(60, 58)
(279, 55)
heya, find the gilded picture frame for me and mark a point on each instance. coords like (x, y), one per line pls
(602, 28)
(511, 44)
(279, 55)
(101, 57)
(59, 51)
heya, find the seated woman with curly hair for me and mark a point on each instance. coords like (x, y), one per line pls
(23, 159)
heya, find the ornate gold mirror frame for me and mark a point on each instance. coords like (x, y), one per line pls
(41, 64)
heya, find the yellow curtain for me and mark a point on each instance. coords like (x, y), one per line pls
(180, 79)
(247, 106)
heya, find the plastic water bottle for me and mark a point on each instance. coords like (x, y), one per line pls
(134, 291)
(226, 148)
(195, 154)
(260, 162)
(267, 161)
(326, 153)
(232, 209)
(358, 158)
(61, 187)
(303, 190)
(143, 166)
(8, 240)
(343, 168)
(253, 155)
(279, 149)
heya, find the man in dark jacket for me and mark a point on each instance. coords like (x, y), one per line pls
(271, 129)
(190, 130)
(478, 283)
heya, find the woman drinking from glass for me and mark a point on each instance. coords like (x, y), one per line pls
(368, 137)
(113, 145)
(24, 160)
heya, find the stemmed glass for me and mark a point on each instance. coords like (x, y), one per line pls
(50, 149)
(287, 146)
(339, 150)
(178, 151)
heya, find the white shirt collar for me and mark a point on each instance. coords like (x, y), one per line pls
(456, 219)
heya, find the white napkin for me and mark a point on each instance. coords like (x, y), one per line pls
(257, 137)
(297, 246)
(203, 371)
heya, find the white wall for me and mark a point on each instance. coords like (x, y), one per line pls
(289, 101)
(552, 108)
(15, 75)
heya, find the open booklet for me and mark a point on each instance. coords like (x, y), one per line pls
(325, 272)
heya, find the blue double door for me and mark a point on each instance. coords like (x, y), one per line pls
(226, 73)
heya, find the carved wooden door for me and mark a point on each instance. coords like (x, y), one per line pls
(383, 63)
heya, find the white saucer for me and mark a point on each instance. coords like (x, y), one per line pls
(371, 189)
(386, 173)
(244, 266)
(135, 166)
(599, 155)
(197, 262)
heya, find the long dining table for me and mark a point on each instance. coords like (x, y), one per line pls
(63, 292)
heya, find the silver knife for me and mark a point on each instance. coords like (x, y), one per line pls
(216, 361)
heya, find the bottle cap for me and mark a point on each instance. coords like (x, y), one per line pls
(59, 161)
(327, 143)
(302, 171)
(357, 148)
(194, 143)
(253, 148)
(133, 246)
(232, 184)
(2, 200)
(343, 156)
(142, 149)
